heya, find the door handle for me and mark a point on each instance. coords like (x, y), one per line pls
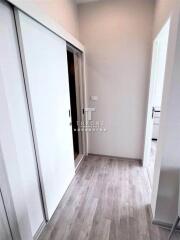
(70, 124)
(153, 110)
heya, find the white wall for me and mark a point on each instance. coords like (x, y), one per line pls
(163, 10)
(118, 40)
(63, 12)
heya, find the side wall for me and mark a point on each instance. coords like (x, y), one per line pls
(62, 12)
(118, 40)
(162, 12)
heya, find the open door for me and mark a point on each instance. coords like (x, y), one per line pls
(155, 97)
(76, 101)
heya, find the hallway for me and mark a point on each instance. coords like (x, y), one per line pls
(107, 200)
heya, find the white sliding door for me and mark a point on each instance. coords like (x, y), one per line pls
(12, 80)
(5, 233)
(45, 65)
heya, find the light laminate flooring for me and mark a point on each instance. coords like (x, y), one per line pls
(107, 200)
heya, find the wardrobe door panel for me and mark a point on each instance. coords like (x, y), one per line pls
(45, 66)
(12, 79)
(5, 233)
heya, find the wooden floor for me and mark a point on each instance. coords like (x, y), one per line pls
(107, 200)
(151, 161)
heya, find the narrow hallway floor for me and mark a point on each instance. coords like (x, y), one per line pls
(107, 200)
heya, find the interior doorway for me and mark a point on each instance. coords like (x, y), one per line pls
(75, 89)
(160, 46)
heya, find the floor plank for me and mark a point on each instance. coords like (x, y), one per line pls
(107, 200)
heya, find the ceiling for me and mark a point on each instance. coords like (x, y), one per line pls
(85, 1)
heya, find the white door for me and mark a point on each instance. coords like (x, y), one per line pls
(156, 83)
(45, 66)
(13, 82)
(5, 233)
(149, 124)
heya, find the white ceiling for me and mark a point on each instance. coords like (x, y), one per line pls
(85, 1)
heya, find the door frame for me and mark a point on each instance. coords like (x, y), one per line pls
(154, 65)
(80, 93)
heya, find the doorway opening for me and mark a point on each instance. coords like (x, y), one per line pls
(158, 66)
(76, 101)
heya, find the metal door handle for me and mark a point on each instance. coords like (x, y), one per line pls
(153, 110)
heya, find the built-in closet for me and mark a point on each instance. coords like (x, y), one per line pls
(13, 83)
(5, 232)
(35, 130)
(46, 79)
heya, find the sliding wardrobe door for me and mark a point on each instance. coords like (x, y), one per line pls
(5, 233)
(13, 84)
(45, 66)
